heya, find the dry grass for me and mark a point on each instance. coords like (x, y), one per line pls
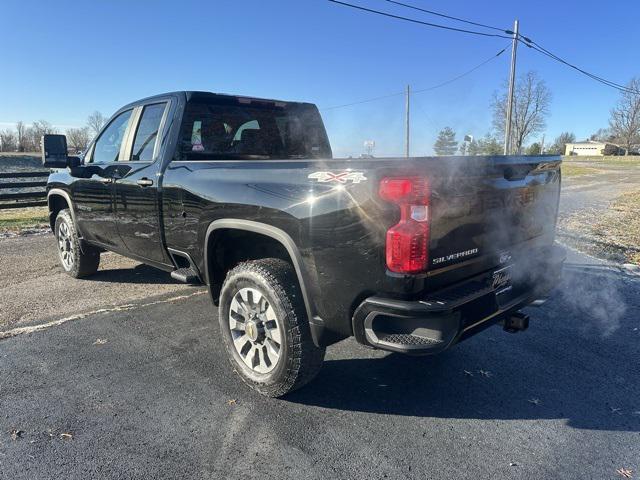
(621, 224)
(612, 234)
(569, 170)
(19, 218)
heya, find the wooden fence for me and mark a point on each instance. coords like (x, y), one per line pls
(17, 182)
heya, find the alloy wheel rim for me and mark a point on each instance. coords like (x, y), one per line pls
(65, 246)
(256, 333)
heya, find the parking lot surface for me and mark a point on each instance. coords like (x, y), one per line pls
(147, 392)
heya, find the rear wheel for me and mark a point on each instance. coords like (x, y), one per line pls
(77, 262)
(265, 330)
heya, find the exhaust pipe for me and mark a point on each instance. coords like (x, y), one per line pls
(515, 322)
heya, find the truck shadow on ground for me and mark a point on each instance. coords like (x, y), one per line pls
(578, 361)
(143, 274)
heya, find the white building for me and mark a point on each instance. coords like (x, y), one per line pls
(593, 148)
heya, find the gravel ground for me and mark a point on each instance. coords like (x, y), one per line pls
(586, 202)
(33, 285)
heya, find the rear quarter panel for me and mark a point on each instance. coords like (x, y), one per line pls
(338, 230)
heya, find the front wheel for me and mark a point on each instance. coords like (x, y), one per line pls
(265, 330)
(75, 261)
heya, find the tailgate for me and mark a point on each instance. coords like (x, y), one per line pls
(489, 206)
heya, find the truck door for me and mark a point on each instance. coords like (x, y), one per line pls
(136, 187)
(92, 189)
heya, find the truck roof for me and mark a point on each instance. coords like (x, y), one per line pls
(192, 94)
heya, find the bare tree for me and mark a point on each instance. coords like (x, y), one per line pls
(625, 116)
(602, 135)
(7, 141)
(559, 145)
(37, 130)
(531, 101)
(21, 137)
(78, 138)
(95, 122)
(30, 143)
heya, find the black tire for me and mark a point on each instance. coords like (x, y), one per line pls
(76, 261)
(299, 359)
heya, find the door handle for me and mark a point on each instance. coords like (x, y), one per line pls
(145, 182)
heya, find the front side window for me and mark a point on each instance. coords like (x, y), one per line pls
(147, 133)
(215, 129)
(107, 147)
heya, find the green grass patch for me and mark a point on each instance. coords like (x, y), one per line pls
(569, 170)
(20, 154)
(611, 160)
(19, 218)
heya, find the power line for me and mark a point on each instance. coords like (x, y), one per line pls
(521, 38)
(539, 48)
(413, 7)
(439, 85)
(463, 74)
(416, 103)
(363, 101)
(420, 22)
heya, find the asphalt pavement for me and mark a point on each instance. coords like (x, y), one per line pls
(123, 375)
(146, 391)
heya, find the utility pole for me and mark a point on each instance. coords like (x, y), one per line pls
(512, 79)
(406, 140)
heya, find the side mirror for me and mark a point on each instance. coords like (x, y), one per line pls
(54, 151)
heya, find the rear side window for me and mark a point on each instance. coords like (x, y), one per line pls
(147, 133)
(107, 147)
(234, 129)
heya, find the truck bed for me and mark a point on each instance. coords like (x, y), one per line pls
(483, 210)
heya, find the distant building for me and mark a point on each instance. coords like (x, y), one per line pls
(593, 148)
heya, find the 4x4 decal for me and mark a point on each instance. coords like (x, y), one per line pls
(340, 177)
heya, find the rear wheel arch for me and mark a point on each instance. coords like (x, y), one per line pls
(277, 241)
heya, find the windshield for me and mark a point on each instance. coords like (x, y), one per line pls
(214, 129)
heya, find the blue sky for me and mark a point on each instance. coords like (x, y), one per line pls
(62, 60)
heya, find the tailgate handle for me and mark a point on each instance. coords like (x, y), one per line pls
(512, 174)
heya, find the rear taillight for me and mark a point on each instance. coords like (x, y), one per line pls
(407, 248)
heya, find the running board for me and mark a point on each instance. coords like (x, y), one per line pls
(186, 275)
(186, 271)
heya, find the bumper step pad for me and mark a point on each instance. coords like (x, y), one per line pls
(409, 339)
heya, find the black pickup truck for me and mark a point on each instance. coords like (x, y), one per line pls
(299, 249)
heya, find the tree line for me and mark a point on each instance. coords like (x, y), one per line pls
(531, 102)
(26, 138)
